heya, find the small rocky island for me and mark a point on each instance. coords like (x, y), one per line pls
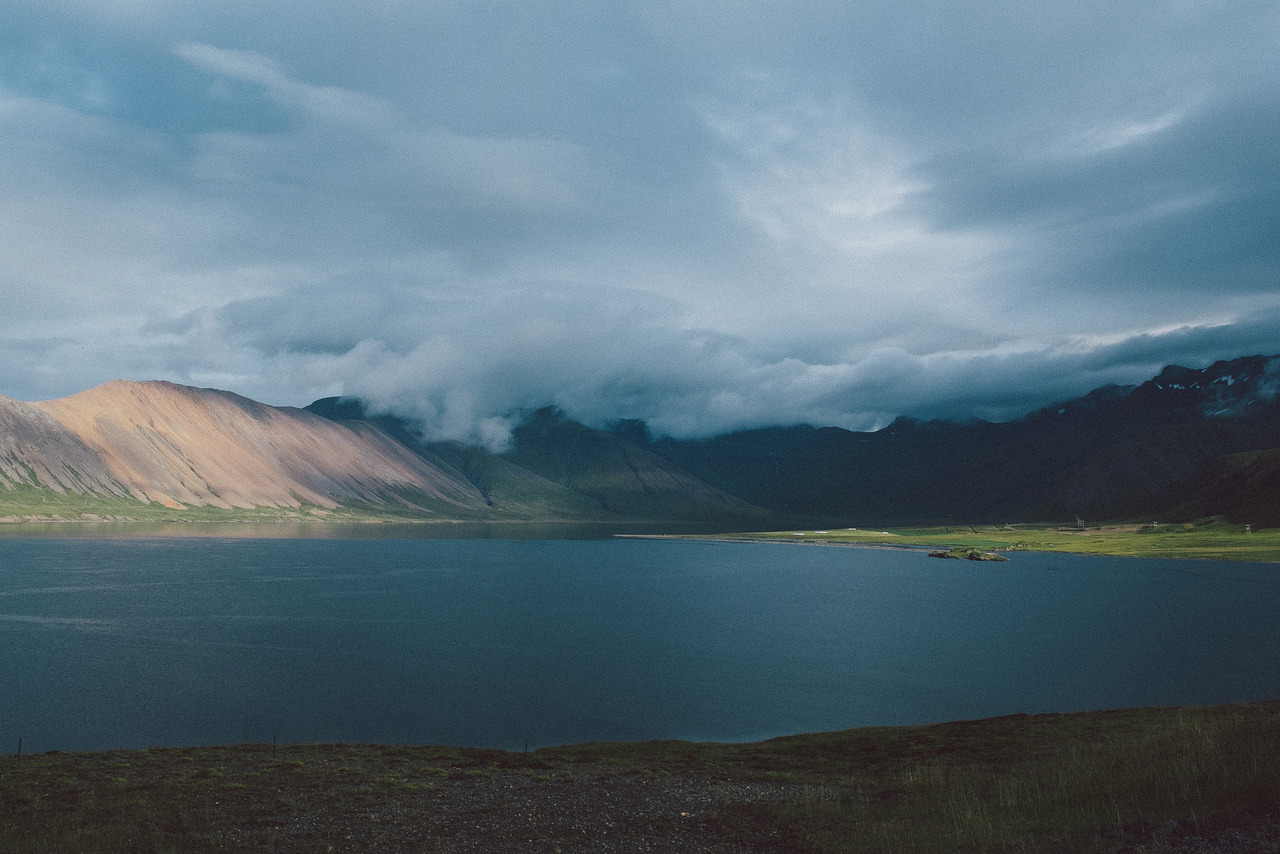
(959, 553)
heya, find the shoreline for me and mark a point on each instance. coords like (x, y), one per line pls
(713, 538)
(1215, 541)
(578, 748)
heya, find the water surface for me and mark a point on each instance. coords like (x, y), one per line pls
(128, 642)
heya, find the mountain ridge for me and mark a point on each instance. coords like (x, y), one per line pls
(1186, 443)
(1116, 452)
(568, 466)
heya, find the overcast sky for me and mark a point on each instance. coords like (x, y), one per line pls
(705, 214)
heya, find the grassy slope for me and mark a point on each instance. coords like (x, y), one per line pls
(30, 504)
(1216, 540)
(1079, 782)
(34, 504)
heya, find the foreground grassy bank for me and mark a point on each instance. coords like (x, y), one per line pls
(1099, 782)
(1217, 540)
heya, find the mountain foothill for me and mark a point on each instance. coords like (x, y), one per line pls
(1187, 444)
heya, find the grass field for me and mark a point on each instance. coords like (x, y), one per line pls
(1216, 539)
(25, 504)
(1096, 782)
(34, 505)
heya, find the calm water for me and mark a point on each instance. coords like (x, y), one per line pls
(489, 642)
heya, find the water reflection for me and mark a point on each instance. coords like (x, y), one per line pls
(310, 530)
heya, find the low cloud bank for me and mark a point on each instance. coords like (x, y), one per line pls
(468, 373)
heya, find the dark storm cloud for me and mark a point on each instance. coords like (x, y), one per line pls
(708, 216)
(1197, 204)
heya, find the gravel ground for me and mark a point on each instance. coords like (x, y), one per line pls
(593, 809)
(596, 810)
(651, 797)
(1242, 834)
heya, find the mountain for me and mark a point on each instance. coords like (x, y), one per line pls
(178, 446)
(612, 469)
(1188, 443)
(1243, 487)
(1117, 452)
(559, 467)
(37, 451)
(512, 491)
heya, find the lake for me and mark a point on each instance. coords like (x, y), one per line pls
(140, 641)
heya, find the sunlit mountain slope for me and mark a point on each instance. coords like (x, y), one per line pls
(177, 445)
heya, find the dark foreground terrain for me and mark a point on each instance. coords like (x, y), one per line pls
(1159, 780)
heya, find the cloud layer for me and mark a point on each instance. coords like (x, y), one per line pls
(708, 216)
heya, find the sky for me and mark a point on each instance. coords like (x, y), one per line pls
(706, 215)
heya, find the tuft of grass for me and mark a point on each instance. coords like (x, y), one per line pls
(1095, 784)
(391, 783)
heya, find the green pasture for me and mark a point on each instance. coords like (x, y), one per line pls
(1215, 539)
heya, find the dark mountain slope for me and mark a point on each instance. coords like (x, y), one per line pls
(1116, 452)
(557, 467)
(509, 490)
(620, 475)
(1243, 487)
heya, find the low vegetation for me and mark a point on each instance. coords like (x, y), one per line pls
(33, 504)
(1215, 539)
(1210, 538)
(1127, 780)
(24, 505)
